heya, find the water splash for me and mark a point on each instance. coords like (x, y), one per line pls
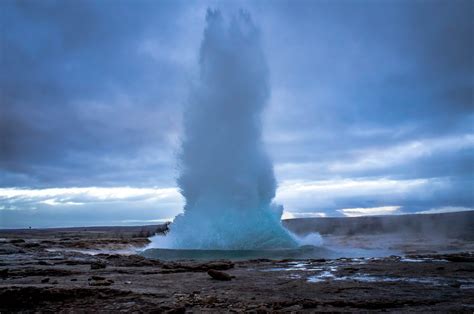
(226, 176)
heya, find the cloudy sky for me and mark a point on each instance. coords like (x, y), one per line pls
(371, 108)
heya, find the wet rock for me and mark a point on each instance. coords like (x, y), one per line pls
(351, 270)
(262, 260)
(219, 275)
(31, 245)
(16, 241)
(8, 248)
(31, 298)
(30, 271)
(463, 257)
(460, 259)
(101, 283)
(130, 261)
(4, 273)
(455, 284)
(47, 242)
(308, 304)
(177, 310)
(175, 267)
(209, 300)
(98, 265)
(292, 309)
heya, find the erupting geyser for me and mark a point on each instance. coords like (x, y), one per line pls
(226, 176)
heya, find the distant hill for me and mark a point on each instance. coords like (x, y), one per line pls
(453, 225)
(458, 225)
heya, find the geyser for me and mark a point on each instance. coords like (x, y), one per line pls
(226, 177)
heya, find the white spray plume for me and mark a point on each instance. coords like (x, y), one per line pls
(226, 177)
(313, 239)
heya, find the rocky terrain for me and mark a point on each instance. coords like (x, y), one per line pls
(95, 269)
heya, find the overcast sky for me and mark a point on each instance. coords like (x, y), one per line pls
(371, 108)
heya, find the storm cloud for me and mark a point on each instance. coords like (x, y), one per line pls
(371, 103)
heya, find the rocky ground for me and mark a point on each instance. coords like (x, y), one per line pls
(50, 271)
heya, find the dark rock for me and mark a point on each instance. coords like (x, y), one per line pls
(31, 271)
(309, 304)
(8, 248)
(177, 310)
(101, 283)
(31, 245)
(460, 259)
(4, 273)
(72, 262)
(455, 284)
(219, 275)
(222, 265)
(98, 265)
(29, 298)
(45, 280)
(209, 300)
(131, 261)
(351, 270)
(14, 241)
(174, 267)
(263, 260)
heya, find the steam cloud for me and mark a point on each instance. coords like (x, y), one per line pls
(226, 176)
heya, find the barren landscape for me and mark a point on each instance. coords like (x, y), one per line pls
(96, 269)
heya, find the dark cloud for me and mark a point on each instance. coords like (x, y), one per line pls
(80, 90)
(91, 92)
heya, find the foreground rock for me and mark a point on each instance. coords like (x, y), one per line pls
(219, 275)
(52, 278)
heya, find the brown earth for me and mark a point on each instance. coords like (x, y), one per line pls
(48, 271)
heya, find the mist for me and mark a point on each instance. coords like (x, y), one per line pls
(226, 176)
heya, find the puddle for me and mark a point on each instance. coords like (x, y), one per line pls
(293, 269)
(468, 286)
(421, 260)
(315, 279)
(323, 276)
(296, 266)
(326, 271)
(412, 260)
(370, 278)
(434, 281)
(294, 276)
